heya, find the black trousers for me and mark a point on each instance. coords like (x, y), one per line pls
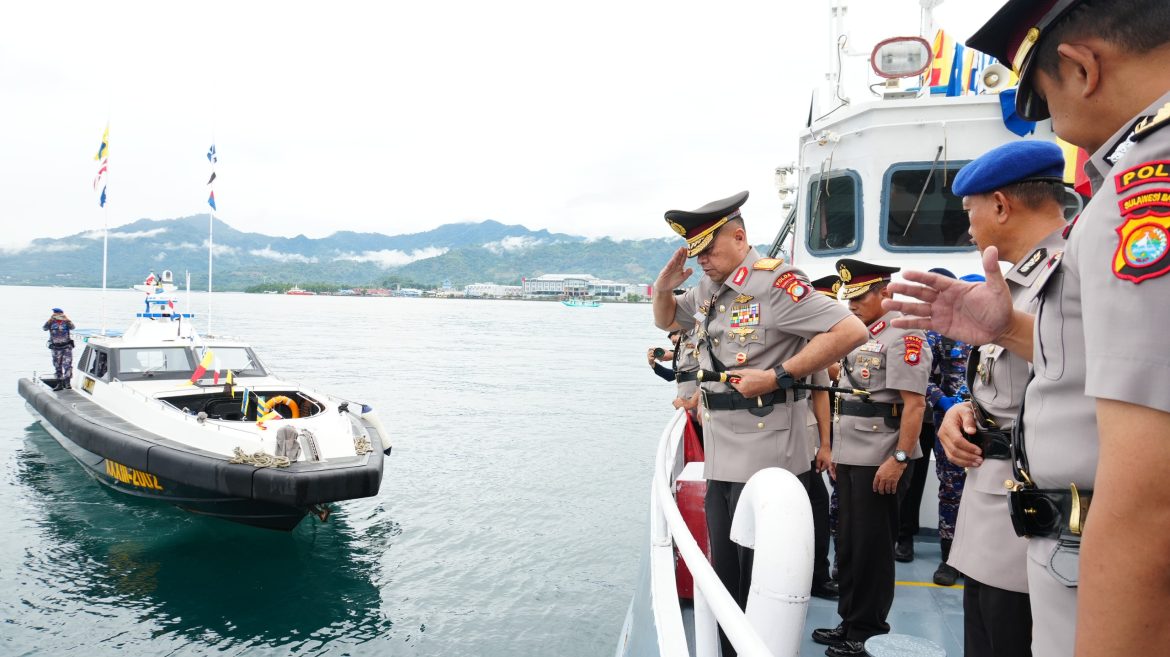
(818, 497)
(731, 561)
(867, 525)
(912, 502)
(996, 622)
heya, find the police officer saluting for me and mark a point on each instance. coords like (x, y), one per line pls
(1093, 494)
(1014, 197)
(760, 318)
(876, 436)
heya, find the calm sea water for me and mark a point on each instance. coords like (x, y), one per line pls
(510, 521)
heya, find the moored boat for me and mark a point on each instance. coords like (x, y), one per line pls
(580, 303)
(149, 414)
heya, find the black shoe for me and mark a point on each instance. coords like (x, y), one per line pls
(847, 649)
(945, 575)
(58, 387)
(829, 637)
(68, 386)
(904, 550)
(827, 590)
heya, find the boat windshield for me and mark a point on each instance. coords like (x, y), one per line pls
(921, 212)
(134, 363)
(240, 360)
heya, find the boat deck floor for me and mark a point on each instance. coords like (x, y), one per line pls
(921, 607)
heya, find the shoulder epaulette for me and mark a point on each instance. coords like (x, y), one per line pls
(1152, 124)
(770, 264)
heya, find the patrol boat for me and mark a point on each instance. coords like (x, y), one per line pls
(872, 182)
(149, 415)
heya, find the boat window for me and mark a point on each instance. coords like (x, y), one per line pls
(99, 364)
(155, 362)
(919, 212)
(240, 360)
(83, 363)
(834, 213)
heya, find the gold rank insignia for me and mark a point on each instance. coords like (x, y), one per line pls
(744, 298)
(1151, 123)
(768, 264)
(678, 228)
(843, 272)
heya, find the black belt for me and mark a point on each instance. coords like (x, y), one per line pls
(869, 409)
(995, 443)
(733, 401)
(683, 377)
(1049, 513)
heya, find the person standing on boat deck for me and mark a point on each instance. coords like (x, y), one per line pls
(759, 318)
(1096, 413)
(820, 442)
(1014, 198)
(61, 345)
(876, 437)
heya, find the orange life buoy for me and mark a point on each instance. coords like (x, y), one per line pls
(293, 409)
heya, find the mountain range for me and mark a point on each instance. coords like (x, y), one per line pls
(463, 253)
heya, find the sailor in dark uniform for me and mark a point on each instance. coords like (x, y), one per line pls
(1092, 489)
(760, 318)
(876, 436)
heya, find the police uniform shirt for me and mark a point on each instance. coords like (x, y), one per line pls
(763, 314)
(687, 360)
(985, 546)
(892, 360)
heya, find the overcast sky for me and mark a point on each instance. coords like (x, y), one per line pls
(590, 118)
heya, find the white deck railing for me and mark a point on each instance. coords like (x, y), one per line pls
(775, 518)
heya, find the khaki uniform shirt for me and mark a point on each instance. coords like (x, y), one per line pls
(1101, 324)
(687, 361)
(986, 547)
(757, 318)
(891, 361)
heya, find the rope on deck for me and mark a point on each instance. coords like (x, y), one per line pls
(259, 459)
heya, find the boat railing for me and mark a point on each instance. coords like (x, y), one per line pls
(775, 518)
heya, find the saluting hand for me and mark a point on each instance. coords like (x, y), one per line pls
(675, 273)
(956, 425)
(975, 313)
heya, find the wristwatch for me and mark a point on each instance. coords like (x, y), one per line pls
(900, 456)
(784, 380)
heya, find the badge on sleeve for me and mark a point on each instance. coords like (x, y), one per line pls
(1146, 172)
(793, 285)
(913, 349)
(1142, 248)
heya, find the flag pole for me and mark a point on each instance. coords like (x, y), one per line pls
(212, 159)
(102, 158)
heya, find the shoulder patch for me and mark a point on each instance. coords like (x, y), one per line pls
(913, 354)
(1144, 200)
(1143, 247)
(1146, 172)
(796, 287)
(1150, 124)
(769, 264)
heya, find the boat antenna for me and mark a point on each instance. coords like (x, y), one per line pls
(212, 158)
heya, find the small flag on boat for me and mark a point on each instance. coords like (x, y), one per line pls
(104, 149)
(211, 156)
(244, 402)
(102, 200)
(211, 179)
(150, 279)
(211, 200)
(208, 358)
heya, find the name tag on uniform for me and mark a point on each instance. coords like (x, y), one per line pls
(872, 346)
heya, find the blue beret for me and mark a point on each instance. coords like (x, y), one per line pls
(1011, 163)
(58, 310)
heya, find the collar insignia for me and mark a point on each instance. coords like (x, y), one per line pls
(740, 276)
(1152, 123)
(1033, 260)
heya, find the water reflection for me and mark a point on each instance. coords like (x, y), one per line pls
(131, 569)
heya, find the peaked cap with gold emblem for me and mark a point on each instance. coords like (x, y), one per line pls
(699, 226)
(1012, 36)
(858, 276)
(828, 285)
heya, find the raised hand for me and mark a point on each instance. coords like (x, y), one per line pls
(675, 273)
(975, 313)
